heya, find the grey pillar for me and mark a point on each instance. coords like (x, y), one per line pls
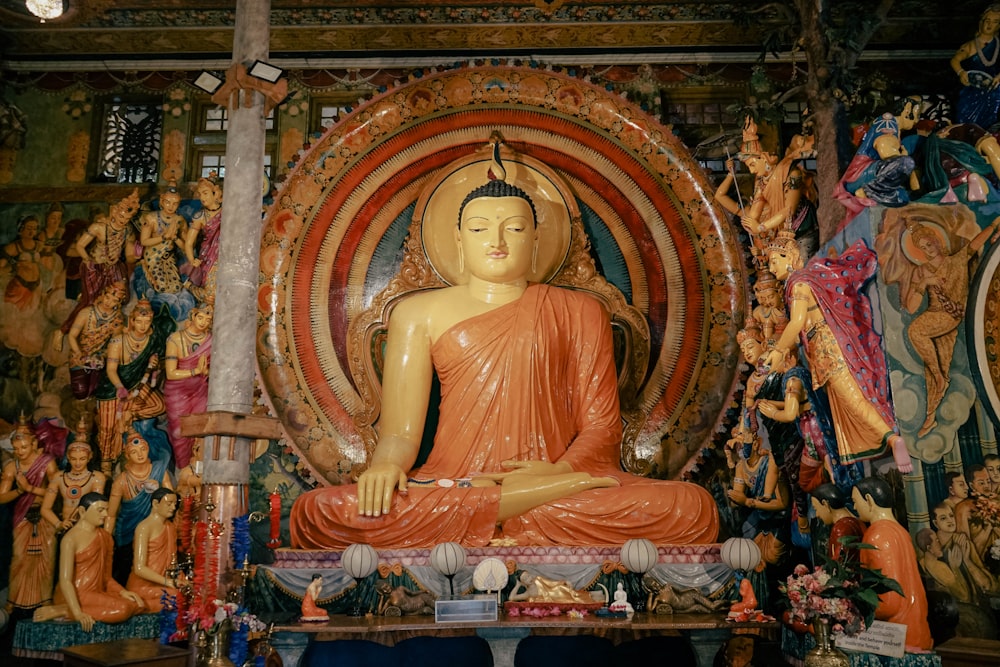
(230, 386)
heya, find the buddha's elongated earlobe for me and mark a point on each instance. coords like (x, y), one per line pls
(461, 260)
(534, 258)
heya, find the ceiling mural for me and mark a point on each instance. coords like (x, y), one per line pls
(203, 29)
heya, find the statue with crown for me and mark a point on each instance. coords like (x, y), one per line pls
(831, 320)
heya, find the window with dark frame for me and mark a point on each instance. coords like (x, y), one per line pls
(131, 134)
(207, 145)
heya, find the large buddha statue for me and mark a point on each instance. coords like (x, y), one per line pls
(529, 435)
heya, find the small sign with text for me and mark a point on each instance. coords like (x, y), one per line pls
(881, 638)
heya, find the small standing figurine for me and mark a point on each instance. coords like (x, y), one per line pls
(208, 221)
(185, 392)
(132, 497)
(128, 393)
(311, 612)
(104, 263)
(88, 338)
(157, 275)
(777, 202)
(24, 482)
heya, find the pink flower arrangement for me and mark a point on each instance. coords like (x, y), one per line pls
(843, 592)
(218, 615)
(810, 596)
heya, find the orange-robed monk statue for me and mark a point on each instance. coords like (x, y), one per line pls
(529, 437)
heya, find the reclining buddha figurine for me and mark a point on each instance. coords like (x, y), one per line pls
(529, 437)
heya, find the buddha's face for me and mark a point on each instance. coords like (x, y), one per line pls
(497, 236)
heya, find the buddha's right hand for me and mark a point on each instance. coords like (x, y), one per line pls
(376, 486)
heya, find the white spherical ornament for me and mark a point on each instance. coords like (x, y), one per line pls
(359, 560)
(740, 553)
(448, 558)
(639, 555)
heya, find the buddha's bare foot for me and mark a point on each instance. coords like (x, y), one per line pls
(49, 612)
(900, 454)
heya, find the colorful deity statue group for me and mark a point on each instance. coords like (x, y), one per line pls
(138, 347)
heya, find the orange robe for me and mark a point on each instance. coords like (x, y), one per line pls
(98, 594)
(895, 556)
(534, 379)
(159, 554)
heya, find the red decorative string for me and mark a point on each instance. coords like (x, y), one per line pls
(198, 577)
(185, 524)
(212, 563)
(275, 515)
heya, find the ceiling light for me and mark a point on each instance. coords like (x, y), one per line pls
(46, 9)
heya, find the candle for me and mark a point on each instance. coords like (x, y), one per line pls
(275, 505)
